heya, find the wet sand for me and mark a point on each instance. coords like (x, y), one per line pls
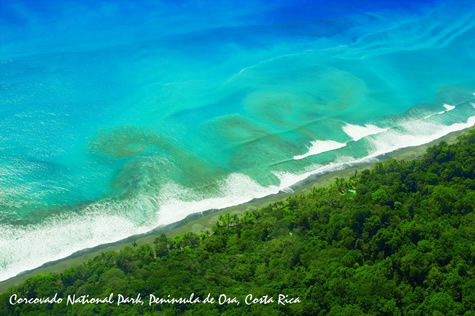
(201, 222)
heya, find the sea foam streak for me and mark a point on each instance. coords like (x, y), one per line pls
(413, 133)
(320, 146)
(358, 132)
(449, 107)
(26, 248)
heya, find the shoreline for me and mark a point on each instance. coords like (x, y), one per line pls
(200, 222)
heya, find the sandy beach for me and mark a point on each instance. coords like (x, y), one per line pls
(199, 223)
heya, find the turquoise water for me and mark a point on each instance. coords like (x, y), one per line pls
(118, 117)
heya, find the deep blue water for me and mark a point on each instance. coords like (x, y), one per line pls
(119, 116)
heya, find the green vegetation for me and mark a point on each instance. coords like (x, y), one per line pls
(399, 239)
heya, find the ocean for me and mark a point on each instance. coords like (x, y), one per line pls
(117, 117)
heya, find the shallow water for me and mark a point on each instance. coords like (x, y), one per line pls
(117, 117)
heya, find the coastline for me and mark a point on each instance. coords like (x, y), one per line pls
(201, 222)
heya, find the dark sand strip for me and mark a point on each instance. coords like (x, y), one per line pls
(199, 223)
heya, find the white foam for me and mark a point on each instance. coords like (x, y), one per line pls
(413, 133)
(238, 189)
(358, 132)
(26, 248)
(473, 104)
(320, 146)
(287, 190)
(431, 115)
(234, 190)
(288, 179)
(449, 107)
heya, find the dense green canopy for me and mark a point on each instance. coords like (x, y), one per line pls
(399, 239)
